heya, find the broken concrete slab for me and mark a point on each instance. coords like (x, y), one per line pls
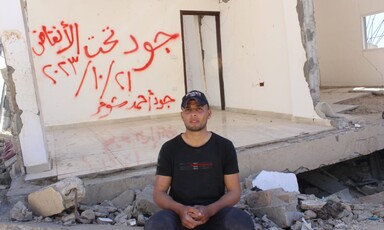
(57, 197)
(270, 180)
(280, 206)
(377, 198)
(144, 202)
(19, 212)
(124, 199)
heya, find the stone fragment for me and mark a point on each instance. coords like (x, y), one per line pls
(57, 197)
(121, 219)
(141, 219)
(128, 211)
(330, 210)
(102, 220)
(71, 218)
(88, 216)
(132, 222)
(348, 219)
(124, 199)
(312, 204)
(19, 212)
(271, 197)
(310, 214)
(144, 202)
(277, 204)
(379, 212)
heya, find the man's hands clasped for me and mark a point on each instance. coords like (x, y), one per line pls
(191, 217)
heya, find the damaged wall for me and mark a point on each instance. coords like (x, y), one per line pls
(16, 53)
(108, 70)
(262, 44)
(96, 61)
(342, 58)
(105, 60)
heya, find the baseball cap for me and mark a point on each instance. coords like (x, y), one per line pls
(196, 95)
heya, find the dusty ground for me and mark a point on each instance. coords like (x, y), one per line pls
(373, 103)
(369, 225)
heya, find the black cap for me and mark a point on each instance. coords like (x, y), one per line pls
(196, 95)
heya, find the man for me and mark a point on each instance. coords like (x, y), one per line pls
(197, 177)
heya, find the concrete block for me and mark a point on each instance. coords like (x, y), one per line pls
(57, 197)
(144, 202)
(271, 197)
(279, 206)
(269, 180)
(283, 215)
(125, 199)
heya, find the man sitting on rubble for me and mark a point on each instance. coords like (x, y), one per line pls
(197, 177)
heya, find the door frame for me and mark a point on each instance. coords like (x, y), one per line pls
(219, 50)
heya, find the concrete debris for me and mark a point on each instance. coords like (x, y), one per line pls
(269, 180)
(144, 202)
(7, 159)
(123, 199)
(19, 212)
(275, 209)
(324, 110)
(277, 204)
(57, 197)
(103, 220)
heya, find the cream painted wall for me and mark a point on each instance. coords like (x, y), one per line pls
(253, 53)
(342, 59)
(262, 44)
(71, 93)
(260, 40)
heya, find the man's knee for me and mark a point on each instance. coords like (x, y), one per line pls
(164, 219)
(235, 218)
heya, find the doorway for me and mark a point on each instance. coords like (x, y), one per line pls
(203, 69)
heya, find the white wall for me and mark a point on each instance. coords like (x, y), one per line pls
(75, 97)
(255, 50)
(260, 40)
(14, 40)
(342, 59)
(262, 44)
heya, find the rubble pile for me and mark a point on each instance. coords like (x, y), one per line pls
(7, 158)
(273, 208)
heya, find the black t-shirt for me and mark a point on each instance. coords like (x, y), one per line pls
(197, 172)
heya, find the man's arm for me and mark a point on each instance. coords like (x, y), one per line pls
(230, 198)
(163, 200)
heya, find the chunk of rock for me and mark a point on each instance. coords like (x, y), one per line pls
(144, 202)
(277, 204)
(57, 197)
(124, 199)
(20, 213)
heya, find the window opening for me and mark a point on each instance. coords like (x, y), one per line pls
(374, 31)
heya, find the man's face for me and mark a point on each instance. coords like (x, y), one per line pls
(195, 117)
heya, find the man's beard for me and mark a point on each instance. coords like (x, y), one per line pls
(196, 128)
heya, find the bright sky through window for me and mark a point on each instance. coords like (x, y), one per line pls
(374, 31)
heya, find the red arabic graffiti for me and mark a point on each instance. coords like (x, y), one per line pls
(150, 101)
(152, 136)
(79, 58)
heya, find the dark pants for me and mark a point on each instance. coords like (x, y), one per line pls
(230, 218)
